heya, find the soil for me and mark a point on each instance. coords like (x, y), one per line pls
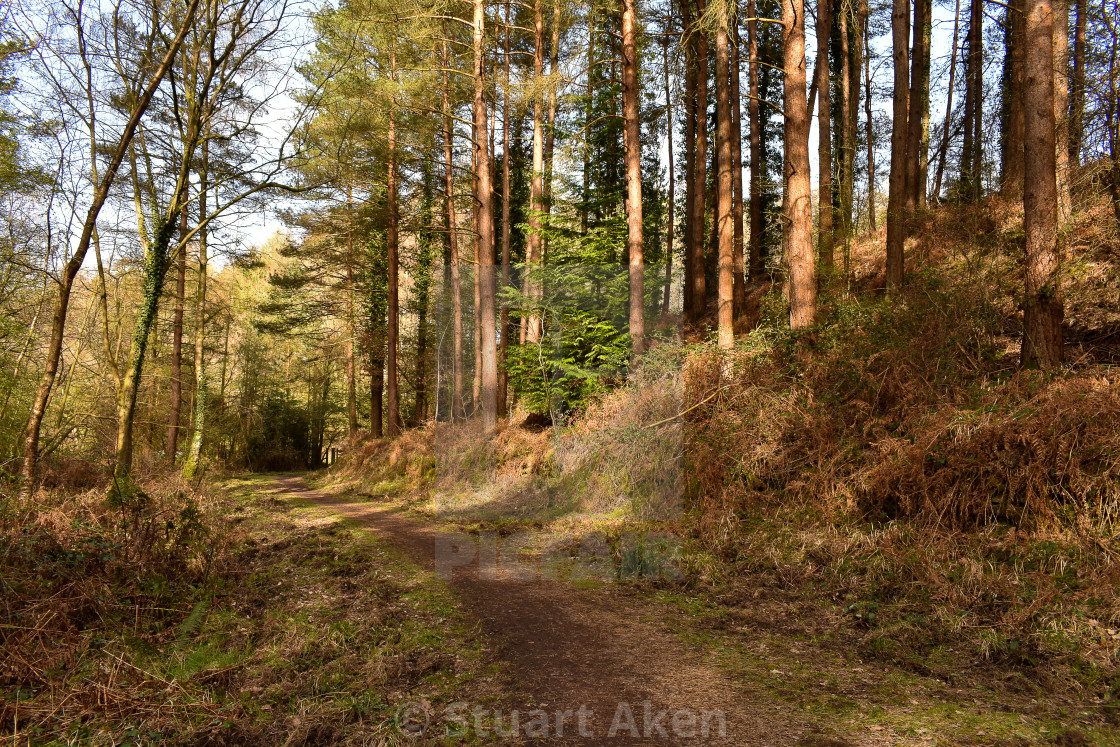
(601, 649)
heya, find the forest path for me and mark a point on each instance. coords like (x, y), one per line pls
(600, 648)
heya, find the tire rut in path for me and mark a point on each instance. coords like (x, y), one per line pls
(565, 648)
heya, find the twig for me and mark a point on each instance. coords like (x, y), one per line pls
(685, 412)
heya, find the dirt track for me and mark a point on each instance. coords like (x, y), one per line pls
(600, 649)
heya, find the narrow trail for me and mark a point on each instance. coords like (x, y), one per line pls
(601, 649)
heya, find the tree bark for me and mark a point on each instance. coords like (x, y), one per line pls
(1043, 308)
(690, 120)
(633, 146)
(738, 264)
(896, 199)
(915, 187)
(201, 390)
(799, 216)
(753, 115)
(484, 209)
(825, 238)
(351, 331)
(700, 165)
(725, 189)
(392, 395)
(1014, 123)
(1061, 104)
(503, 374)
(536, 187)
(457, 408)
(171, 442)
(672, 171)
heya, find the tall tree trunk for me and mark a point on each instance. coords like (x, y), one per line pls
(724, 225)
(672, 170)
(1014, 123)
(972, 152)
(865, 24)
(923, 144)
(845, 149)
(690, 120)
(699, 165)
(201, 381)
(896, 200)
(588, 113)
(171, 442)
(799, 216)
(536, 186)
(484, 209)
(914, 186)
(753, 114)
(1077, 95)
(943, 149)
(738, 263)
(29, 467)
(351, 331)
(1061, 104)
(633, 146)
(503, 373)
(550, 124)
(1043, 309)
(457, 408)
(392, 394)
(826, 241)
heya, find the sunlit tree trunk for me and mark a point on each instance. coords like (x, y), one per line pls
(171, 442)
(633, 146)
(1043, 308)
(799, 215)
(351, 332)
(865, 27)
(725, 189)
(915, 186)
(690, 187)
(1061, 104)
(503, 376)
(484, 199)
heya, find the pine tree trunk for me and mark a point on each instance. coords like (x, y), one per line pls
(351, 331)
(825, 238)
(914, 186)
(503, 375)
(1043, 308)
(755, 263)
(484, 207)
(536, 186)
(672, 197)
(845, 149)
(738, 264)
(690, 190)
(1061, 105)
(393, 402)
(1013, 124)
(799, 216)
(700, 165)
(725, 189)
(457, 408)
(633, 146)
(896, 200)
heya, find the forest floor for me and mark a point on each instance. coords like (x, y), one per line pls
(627, 651)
